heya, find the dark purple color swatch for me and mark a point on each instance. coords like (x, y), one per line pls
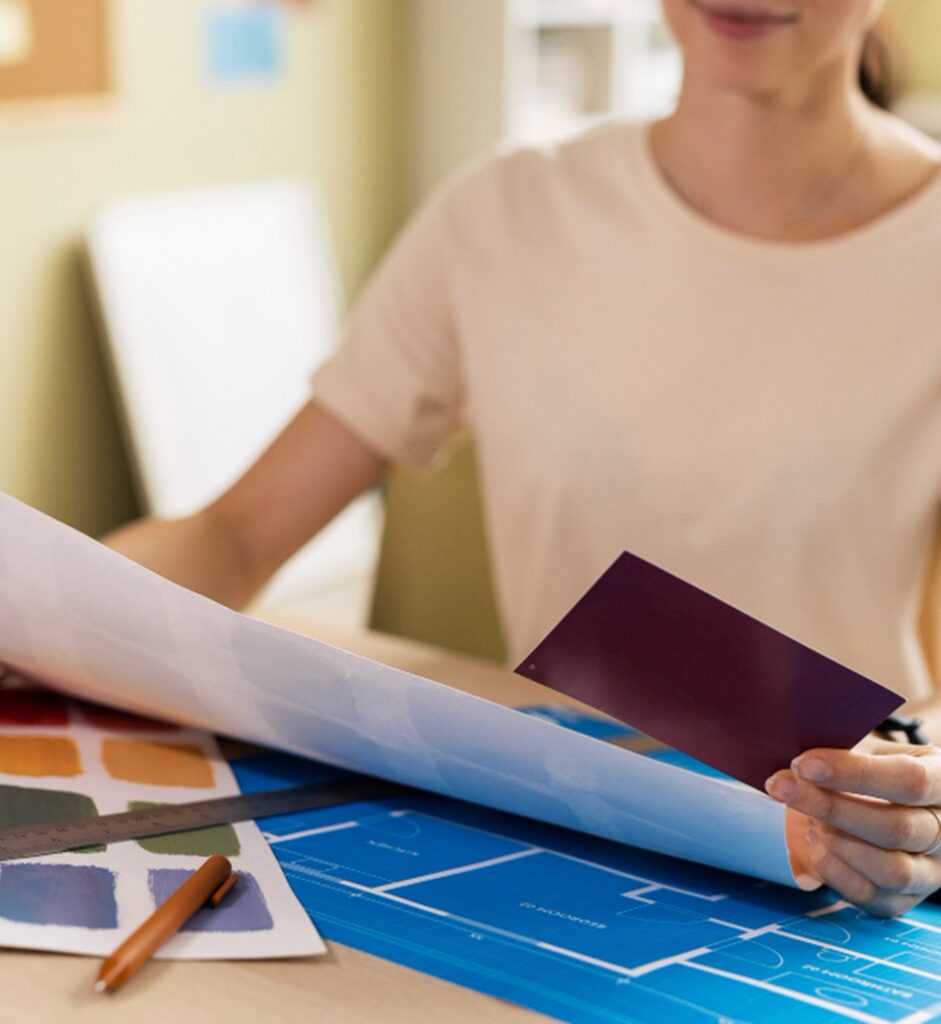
(702, 676)
(80, 897)
(243, 909)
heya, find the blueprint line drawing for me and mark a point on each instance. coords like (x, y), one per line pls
(587, 930)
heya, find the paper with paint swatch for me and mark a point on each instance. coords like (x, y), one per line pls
(697, 674)
(88, 621)
(62, 759)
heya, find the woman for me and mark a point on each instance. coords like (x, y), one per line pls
(711, 341)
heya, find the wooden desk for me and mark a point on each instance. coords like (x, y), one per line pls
(344, 987)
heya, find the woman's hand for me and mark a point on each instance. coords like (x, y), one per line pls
(873, 821)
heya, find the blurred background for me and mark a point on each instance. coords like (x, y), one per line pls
(368, 103)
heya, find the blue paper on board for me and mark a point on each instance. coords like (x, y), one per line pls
(243, 45)
(584, 929)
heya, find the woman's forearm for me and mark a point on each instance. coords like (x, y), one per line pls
(200, 552)
(228, 551)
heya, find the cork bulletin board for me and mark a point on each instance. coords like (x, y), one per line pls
(54, 52)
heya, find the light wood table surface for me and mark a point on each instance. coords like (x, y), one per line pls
(346, 986)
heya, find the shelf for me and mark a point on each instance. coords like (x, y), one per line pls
(575, 13)
(571, 61)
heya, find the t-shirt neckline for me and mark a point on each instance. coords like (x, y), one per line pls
(692, 222)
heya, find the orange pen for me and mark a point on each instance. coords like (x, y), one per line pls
(209, 884)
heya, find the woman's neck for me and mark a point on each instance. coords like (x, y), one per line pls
(789, 170)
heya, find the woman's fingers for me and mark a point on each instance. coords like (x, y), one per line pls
(892, 827)
(874, 816)
(903, 775)
(832, 862)
(892, 871)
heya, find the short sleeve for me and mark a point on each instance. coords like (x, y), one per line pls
(396, 379)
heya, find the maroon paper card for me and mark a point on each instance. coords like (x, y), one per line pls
(692, 671)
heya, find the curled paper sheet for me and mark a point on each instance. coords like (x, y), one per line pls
(88, 621)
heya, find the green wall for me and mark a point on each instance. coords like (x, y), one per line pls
(333, 118)
(919, 22)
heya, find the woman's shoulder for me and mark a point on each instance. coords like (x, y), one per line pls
(515, 178)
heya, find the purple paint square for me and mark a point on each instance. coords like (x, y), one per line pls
(693, 672)
(243, 909)
(58, 894)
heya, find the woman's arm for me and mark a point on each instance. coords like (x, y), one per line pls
(230, 549)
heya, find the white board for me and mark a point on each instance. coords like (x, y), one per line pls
(218, 305)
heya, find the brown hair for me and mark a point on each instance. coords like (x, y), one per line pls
(881, 72)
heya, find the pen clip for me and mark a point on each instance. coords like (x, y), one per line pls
(219, 895)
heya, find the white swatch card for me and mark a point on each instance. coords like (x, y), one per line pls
(62, 759)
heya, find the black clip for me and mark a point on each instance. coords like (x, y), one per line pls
(911, 727)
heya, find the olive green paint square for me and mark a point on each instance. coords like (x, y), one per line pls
(24, 806)
(197, 842)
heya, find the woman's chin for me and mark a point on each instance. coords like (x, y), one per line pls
(739, 74)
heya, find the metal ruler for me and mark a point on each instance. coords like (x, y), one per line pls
(19, 841)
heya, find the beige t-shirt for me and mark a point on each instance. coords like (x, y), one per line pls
(762, 419)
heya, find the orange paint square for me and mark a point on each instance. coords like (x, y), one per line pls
(156, 763)
(39, 756)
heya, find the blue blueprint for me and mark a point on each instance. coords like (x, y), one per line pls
(584, 929)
